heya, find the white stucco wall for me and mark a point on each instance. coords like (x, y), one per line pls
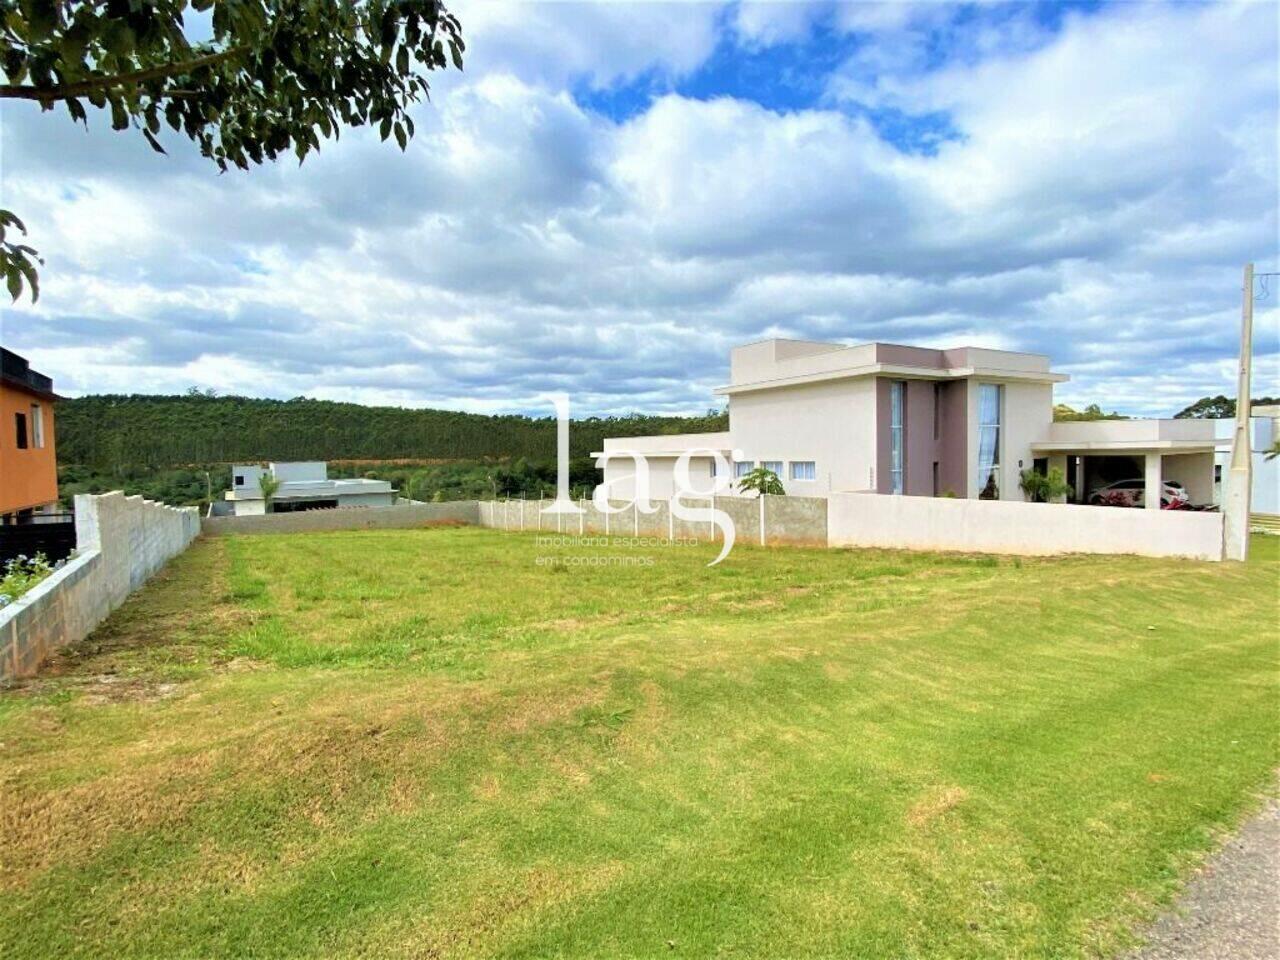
(619, 474)
(1012, 527)
(832, 424)
(299, 470)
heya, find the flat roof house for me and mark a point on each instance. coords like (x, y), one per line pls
(303, 486)
(28, 462)
(894, 419)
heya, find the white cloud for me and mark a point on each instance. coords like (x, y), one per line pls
(1106, 185)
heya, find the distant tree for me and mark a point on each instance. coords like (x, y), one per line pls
(1218, 408)
(274, 76)
(762, 481)
(1065, 414)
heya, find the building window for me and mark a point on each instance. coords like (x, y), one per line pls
(713, 466)
(742, 467)
(937, 410)
(773, 466)
(239, 479)
(804, 470)
(20, 429)
(990, 396)
(897, 434)
(37, 426)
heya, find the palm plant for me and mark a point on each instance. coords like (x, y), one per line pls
(269, 485)
(762, 481)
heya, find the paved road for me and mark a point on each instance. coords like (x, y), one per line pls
(1231, 910)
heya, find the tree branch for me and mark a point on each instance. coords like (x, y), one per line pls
(72, 91)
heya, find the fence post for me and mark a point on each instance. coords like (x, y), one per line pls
(762, 496)
(607, 503)
(539, 509)
(713, 514)
(582, 517)
(671, 520)
(635, 518)
(522, 513)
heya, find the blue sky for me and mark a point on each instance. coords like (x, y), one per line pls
(612, 195)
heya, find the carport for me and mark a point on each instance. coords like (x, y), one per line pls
(1096, 452)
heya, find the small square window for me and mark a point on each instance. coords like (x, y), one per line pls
(804, 470)
(239, 480)
(742, 467)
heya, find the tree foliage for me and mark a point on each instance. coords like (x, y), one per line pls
(264, 78)
(131, 432)
(1217, 408)
(1044, 487)
(761, 480)
(1065, 414)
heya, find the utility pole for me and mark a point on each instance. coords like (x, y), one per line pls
(1236, 498)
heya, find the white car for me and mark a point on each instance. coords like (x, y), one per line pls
(1130, 493)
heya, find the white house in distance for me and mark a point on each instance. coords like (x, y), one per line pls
(893, 419)
(303, 486)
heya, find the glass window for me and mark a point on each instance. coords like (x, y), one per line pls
(897, 434)
(774, 466)
(20, 430)
(990, 396)
(804, 470)
(37, 425)
(742, 467)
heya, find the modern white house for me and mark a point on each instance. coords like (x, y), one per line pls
(1264, 429)
(303, 486)
(885, 418)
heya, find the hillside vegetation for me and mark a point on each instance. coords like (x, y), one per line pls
(121, 432)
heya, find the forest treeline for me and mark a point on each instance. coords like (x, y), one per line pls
(137, 431)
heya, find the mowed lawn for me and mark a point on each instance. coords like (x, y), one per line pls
(425, 744)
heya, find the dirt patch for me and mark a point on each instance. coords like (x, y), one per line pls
(935, 804)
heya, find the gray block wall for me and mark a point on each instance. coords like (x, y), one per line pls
(120, 543)
(794, 521)
(400, 517)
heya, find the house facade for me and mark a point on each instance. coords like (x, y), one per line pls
(28, 459)
(302, 486)
(895, 419)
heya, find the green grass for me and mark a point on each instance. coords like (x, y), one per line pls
(422, 743)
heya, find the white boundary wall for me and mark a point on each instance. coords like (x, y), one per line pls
(1030, 529)
(120, 542)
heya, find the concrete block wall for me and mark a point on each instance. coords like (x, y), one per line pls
(401, 516)
(776, 521)
(120, 542)
(1014, 527)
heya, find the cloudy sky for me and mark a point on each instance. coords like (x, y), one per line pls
(612, 195)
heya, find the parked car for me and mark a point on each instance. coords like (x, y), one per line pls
(1130, 493)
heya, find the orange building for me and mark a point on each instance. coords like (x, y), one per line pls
(28, 462)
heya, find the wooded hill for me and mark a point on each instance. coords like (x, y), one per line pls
(131, 431)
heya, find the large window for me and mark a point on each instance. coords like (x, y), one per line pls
(37, 425)
(742, 467)
(804, 470)
(20, 430)
(897, 434)
(773, 466)
(990, 396)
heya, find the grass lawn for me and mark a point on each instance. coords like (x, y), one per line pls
(423, 743)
